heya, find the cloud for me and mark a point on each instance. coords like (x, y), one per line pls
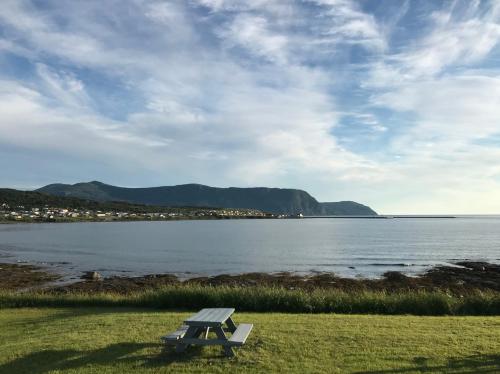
(442, 94)
(458, 36)
(295, 32)
(462, 106)
(336, 97)
(252, 33)
(347, 24)
(212, 104)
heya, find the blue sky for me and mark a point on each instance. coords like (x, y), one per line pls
(390, 103)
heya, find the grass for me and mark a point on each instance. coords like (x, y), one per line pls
(266, 299)
(122, 340)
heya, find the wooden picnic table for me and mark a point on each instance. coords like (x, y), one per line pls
(196, 328)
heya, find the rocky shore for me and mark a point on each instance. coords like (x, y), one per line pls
(462, 278)
(19, 277)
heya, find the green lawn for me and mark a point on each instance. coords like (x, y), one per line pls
(119, 340)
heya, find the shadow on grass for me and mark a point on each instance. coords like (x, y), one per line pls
(467, 365)
(68, 313)
(114, 354)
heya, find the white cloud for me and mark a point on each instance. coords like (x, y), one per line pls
(447, 112)
(252, 32)
(452, 107)
(347, 24)
(247, 93)
(457, 37)
(257, 124)
(63, 88)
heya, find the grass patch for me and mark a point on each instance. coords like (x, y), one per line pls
(268, 299)
(123, 340)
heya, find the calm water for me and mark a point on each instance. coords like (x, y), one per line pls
(349, 247)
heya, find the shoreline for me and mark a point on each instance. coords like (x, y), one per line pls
(76, 220)
(205, 218)
(461, 278)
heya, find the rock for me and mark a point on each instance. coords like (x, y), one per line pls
(92, 275)
(394, 276)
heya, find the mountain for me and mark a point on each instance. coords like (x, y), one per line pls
(346, 208)
(272, 200)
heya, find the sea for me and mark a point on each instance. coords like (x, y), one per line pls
(349, 247)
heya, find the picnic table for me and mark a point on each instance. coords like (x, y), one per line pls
(196, 328)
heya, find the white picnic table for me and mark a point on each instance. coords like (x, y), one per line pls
(196, 328)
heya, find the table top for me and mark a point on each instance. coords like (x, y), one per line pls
(210, 316)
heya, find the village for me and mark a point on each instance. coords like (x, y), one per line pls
(56, 214)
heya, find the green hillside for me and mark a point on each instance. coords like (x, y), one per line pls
(272, 200)
(33, 199)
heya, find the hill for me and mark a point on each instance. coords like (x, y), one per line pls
(272, 200)
(34, 199)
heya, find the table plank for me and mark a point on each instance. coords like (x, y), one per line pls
(210, 317)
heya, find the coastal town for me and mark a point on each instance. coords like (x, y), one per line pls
(47, 213)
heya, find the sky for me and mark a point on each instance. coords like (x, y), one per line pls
(394, 104)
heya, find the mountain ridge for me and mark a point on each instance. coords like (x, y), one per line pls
(272, 200)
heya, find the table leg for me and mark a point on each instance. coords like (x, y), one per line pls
(202, 331)
(191, 332)
(222, 336)
(230, 325)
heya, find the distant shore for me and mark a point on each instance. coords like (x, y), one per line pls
(204, 218)
(104, 220)
(464, 277)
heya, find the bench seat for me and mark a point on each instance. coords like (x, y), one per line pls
(176, 335)
(241, 334)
